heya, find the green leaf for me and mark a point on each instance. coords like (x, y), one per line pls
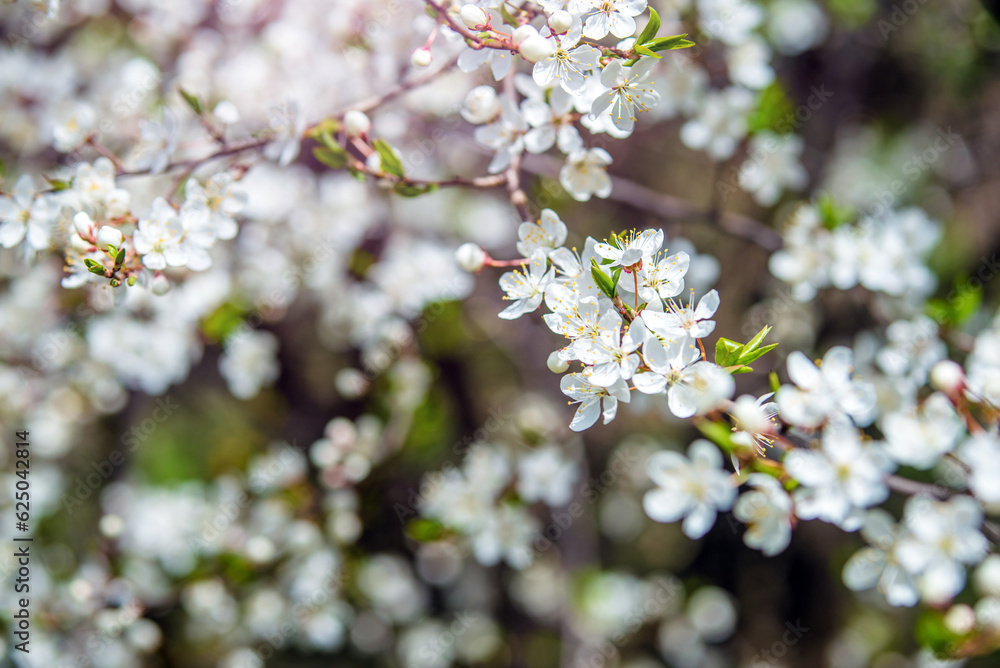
(602, 280)
(411, 190)
(834, 215)
(740, 369)
(507, 17)
(324, 132)
(390, 161)
(93, 266)
(753, 343)
(750, 356)
(669, 43)
(772, 379)
(58, 184)
(718, 433)
(649, 32)
(727, 352)
(357, 173)
(616, 274)
(646, 51)
(192, 101)
(424, 530)
(961, 303)
(773, 112)
(120, 257)
(331, 157)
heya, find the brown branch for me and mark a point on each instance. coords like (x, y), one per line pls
(670, 207)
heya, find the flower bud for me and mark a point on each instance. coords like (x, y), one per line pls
(987, 576)
(160, 285)
(83, 224)
(473, 17)
(560, 21)
(116, 202)
(226, 113)
(536, 47)
(470, 257)
(108, 236)
(78, 244)
(421, 58)
(948, 377)
(960, 619)
(555, 363)
(356, 123)
(523, 32)
(481, 105)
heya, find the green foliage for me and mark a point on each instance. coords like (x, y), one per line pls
(832, 214)
(931, 632)
(649, 32)
(335, 158)
(390, 161)
(717, 432)
(669, 43)
(603, 281)
(220, 323)
(736, 357)
(961, 303)
(424, 530)
(192, 101)
(773, 111)
(94, 267)
(414, 190)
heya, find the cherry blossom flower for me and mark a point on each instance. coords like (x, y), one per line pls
(614, 16)
(612, 355)
(841, 480)
(693, 487)
(767, 511)
(25, 215)
(630, 91)
(569, 66)
(585, 173)
(685, 321)
(825, 393)
(526, 288)
(594, 400)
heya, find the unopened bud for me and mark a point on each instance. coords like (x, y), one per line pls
(556, 364)
(536, 48)
(948, 377)
(560, 21)
(473, 16)
(108, 236)
(356, 123)
(83, 224)
(160, 285)
(523, 32)
(960, 619)
(470, 257)
(421, 58)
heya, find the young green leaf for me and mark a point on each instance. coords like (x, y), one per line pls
(409, 190)
(669, 43)
(331, 157)
(755, 341)
(646, 51)
(726, 352)
(649, 32)
(751, 355)
(602, 280)
(772, 379)
(390, 162)
(192, 101)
